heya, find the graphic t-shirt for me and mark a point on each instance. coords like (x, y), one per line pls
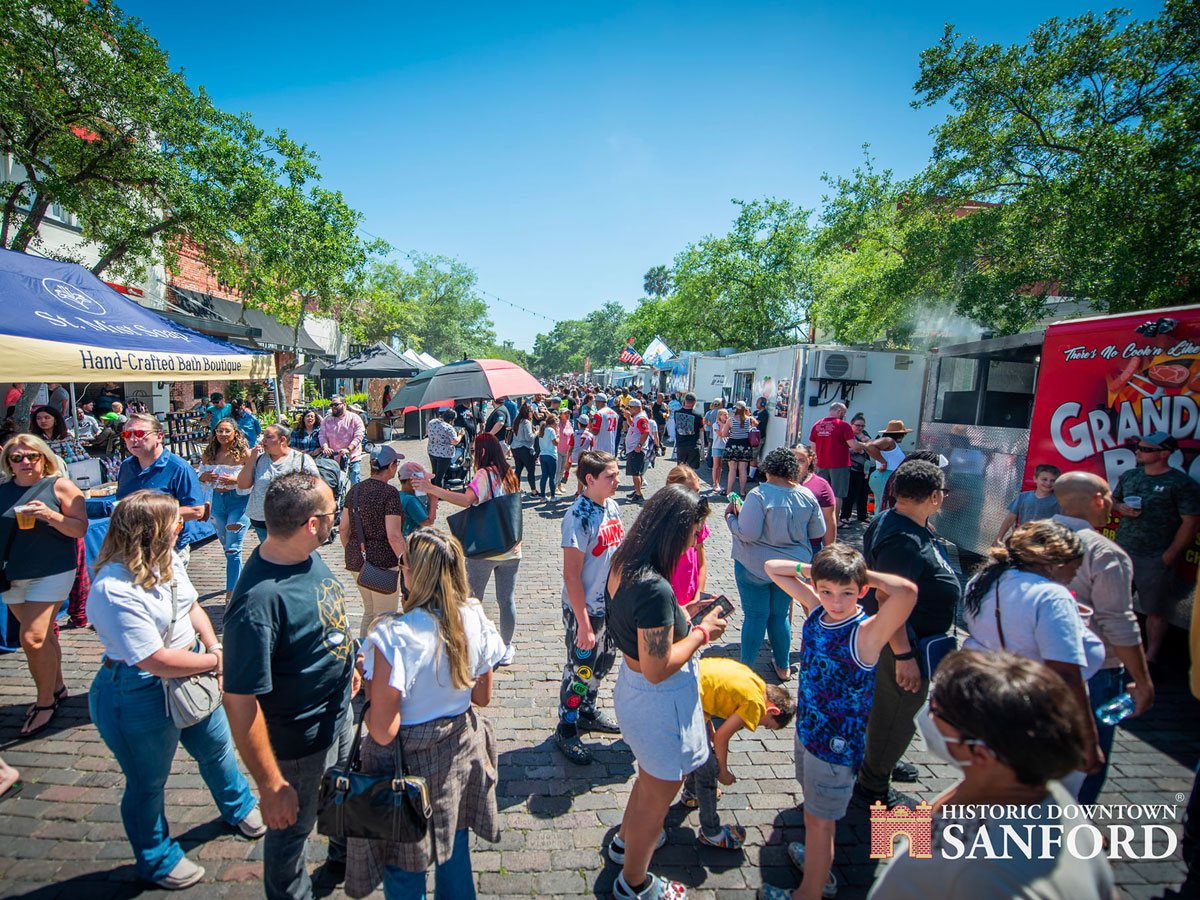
(288, 642)
(605, 423)
(1165, 498)
(596, 531)
(688, 426)
(829, 438)
(728, 687)
(1027, 506)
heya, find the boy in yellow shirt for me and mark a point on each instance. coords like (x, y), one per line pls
(730, 691)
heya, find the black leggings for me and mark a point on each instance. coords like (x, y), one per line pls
(524, 458)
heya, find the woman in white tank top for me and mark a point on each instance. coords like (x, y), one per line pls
(885, 451)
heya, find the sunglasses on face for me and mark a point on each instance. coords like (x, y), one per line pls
(23, 457)
(1142, 448)
(139, 433)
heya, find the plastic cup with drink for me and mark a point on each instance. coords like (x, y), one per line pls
(25, 517)
(1134, 505)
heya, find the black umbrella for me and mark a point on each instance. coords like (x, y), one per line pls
(471, 379)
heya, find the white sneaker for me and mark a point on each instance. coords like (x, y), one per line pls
(252, 826)
(507, 658)
(184, 875)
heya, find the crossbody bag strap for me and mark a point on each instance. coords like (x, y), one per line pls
(362, 541)
(999, 627)
(174, 614)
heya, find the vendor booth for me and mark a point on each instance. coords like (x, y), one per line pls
(380, 367)
(60, 323)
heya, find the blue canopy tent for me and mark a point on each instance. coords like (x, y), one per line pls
(59, 322)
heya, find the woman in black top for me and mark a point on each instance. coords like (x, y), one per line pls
(41, 553)
(657, 696)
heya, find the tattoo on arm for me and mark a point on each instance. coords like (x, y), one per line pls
(658, 641)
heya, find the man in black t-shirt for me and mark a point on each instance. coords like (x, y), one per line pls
(689, 426)
(899, 542)
(499, 420)
(289, 677)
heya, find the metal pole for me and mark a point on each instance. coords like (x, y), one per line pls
(74, 414)
(278, 405)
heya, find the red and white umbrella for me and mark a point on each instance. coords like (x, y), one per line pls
(471, 379)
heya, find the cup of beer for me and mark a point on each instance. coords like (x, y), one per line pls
(25, 521)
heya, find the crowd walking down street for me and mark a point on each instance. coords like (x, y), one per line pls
(566, 745)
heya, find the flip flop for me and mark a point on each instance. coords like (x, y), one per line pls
(33, 714)
(12, 790)
(59, 696)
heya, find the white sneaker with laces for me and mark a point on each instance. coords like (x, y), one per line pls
(252, 826)
(184, 875)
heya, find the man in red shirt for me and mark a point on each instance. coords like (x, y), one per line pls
(832, 438)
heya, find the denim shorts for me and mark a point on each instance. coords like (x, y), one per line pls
(827, 786)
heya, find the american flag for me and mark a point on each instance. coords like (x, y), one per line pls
(629, 355)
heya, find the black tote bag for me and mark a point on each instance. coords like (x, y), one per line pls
(491, 527)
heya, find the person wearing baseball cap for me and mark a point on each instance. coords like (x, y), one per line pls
(637, 436)
(372, 531)
(1160, 513)
(419, 509)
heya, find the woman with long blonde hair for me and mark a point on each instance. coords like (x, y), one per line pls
(424, 669)
(42, 517)
(220, 464)
(148, 617)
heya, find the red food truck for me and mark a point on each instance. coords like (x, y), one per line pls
(1077, 396)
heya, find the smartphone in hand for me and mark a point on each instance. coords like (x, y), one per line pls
(723, 602)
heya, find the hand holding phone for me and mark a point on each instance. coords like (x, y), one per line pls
(722, 602)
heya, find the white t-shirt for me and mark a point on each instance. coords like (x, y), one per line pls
(1040, 620)
(606, 436)
(130, 620)
(412, 643)
(638, 428)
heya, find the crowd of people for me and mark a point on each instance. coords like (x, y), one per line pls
(1052, 634)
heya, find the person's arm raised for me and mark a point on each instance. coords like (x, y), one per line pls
(788, 575)
(896, 596)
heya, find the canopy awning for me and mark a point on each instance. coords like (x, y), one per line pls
(59, 322)
(268, 332)
(377, 361)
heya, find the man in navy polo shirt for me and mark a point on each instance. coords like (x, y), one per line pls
(154, 468)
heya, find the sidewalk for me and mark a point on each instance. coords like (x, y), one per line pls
(63, 838)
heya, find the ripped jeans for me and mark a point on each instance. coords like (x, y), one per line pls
(231, 522)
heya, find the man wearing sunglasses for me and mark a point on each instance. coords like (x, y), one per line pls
(1160, 513)
(152, 467)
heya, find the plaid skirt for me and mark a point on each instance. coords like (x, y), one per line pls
(457, 756)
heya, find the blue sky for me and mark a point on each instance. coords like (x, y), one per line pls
(562, 149)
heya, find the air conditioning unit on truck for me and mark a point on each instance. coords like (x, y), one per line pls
(1077, 396)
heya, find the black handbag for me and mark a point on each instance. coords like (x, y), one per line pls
(931, 650)
(373, 578)
(393, 807)
(489, 528)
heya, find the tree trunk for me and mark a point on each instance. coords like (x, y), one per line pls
(29, 228)
(25, 403)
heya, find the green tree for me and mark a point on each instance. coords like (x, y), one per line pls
(749, 289)
(599, 336)
(657, 282)
(1086, 137)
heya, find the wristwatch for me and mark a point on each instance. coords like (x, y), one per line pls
(911, 654)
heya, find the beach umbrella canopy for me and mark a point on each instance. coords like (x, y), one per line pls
(471, 379)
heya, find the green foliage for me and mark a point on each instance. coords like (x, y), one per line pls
(657, 282)
(433, 307)
(600, 336)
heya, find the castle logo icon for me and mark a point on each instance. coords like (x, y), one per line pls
(916, 825)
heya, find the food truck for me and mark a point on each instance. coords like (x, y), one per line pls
(800, 381)
(1077, 395)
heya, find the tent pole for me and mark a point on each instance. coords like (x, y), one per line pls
(278, 406)
(74, 414)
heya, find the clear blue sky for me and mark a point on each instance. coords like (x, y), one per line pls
(562, 149)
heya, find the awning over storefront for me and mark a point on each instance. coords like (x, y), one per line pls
(266, 332)
(59, 322)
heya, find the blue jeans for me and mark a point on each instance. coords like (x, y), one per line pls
(127, 706)
(452, 879)
(285, 851)
(1105, 685)
(229, 508)
(354, 471)
(549, 472)
(765, 609)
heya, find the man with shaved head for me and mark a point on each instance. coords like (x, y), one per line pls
(1105, 583)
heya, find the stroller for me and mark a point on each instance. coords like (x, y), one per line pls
(458, 474)
(339, 482)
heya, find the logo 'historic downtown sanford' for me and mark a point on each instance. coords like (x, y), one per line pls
(1010, 832)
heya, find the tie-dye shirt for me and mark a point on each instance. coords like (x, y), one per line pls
(835, 691)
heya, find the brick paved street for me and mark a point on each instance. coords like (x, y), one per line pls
(63, 837)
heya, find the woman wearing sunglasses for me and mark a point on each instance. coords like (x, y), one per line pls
(43, 517)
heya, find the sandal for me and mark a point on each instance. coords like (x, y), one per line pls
(732, 837)
(572, 748)
(32, 714)
(12, 790)
(59, 696)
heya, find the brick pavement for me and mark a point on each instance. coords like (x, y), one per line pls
(63, 837)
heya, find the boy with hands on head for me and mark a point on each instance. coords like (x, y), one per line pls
(837, 683)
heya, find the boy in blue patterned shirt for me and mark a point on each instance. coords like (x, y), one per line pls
(837, 682)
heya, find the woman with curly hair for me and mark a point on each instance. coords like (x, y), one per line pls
(220, 463)
(1019, 602)
(778, 520)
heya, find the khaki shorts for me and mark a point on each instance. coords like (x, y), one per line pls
(827, 786)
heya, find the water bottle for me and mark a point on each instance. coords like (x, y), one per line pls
(1114, 711)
